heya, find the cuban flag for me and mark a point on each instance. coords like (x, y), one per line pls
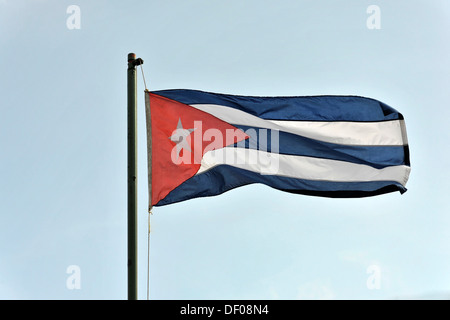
(203, 144)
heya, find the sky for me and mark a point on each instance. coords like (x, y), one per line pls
(63, 136)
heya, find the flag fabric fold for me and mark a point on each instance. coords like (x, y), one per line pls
(204, 144)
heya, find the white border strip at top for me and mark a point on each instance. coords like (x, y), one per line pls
(382, 133)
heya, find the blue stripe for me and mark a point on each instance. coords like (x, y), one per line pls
(224, 178)
(375, 156)
(312, 108)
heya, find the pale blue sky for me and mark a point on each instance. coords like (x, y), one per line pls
(63, 149)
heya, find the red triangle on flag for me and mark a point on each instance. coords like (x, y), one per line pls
(179, 142)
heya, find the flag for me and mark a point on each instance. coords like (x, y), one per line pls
(203, 144)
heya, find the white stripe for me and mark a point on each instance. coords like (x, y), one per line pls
(301, 167)
(383, 133)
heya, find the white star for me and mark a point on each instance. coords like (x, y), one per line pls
(179, 137)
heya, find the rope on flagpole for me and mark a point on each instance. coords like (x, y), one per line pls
(148, 256)
(143, 77)
(150, 208)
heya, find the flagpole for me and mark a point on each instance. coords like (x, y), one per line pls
(132, 174)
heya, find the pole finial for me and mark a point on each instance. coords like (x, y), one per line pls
(131, 56)
(133, 62)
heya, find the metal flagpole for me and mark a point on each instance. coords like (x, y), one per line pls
(132, 175)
